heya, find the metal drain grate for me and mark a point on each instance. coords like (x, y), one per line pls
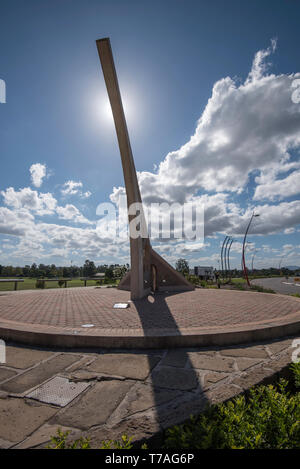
(58, 391)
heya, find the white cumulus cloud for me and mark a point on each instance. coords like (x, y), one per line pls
(38, 172)
(246, 128)
(70, 212)
(73, 188)
(40, 203)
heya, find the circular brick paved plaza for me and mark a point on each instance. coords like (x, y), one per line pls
(85, 317)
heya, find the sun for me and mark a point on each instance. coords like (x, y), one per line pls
(106, 112)
(100, 112)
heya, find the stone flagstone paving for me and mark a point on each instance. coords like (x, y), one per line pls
(138, 392)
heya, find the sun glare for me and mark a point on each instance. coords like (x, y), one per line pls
(105, 112)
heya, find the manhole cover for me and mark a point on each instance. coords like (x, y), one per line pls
(58, 391)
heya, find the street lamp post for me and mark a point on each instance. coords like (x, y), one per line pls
(225, 255)
(228, 252)
(244, 243)
(222, 255)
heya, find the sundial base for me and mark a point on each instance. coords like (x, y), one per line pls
(159, 275)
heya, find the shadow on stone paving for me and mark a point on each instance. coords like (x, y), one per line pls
(176, 385)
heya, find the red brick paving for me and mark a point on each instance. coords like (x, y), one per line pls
(202, 308)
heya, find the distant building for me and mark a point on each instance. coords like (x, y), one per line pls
(204, 272)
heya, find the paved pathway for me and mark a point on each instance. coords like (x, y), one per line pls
(103, 395)
(279, 284)
(203, 311)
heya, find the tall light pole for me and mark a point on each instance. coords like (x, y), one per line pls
(222, 255)
(228, 252)
(225, 255)
(244, 243)
(242, 264)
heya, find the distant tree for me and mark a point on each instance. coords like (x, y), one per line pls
(74, 271)
(42, 270)
(8, 271)
(109, 273)
(26, 271)
(33, 270)
(120, 271)
(89, 268)
(67, 272)
(102, 268)
(53, 271)
(60, 272)
(18, 272)
(182, 266)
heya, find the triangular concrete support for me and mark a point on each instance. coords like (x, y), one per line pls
(160, 277)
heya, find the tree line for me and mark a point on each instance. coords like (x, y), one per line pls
(183, 267)
(88, 269)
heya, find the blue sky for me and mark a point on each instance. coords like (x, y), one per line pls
(207, 87)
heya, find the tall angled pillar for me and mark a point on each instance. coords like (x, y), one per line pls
(149, 271)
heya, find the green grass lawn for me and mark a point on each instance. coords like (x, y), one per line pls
(29, 284)
(239, 283)
(238, 280)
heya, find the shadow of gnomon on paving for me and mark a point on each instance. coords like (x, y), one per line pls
(176, 385)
